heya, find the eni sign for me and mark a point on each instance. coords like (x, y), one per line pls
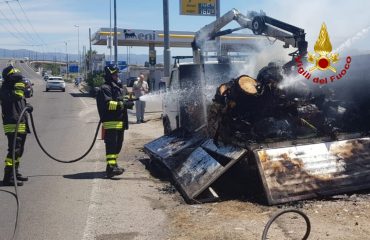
(198, 7)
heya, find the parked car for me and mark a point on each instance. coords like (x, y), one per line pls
(55, 83)
(130, 81)
(28, 92)
(46, 77)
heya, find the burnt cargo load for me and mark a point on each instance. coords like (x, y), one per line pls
(294, 162)
(301, 142)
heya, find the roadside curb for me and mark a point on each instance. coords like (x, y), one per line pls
(83, 88)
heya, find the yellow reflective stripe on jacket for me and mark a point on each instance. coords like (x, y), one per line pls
(113, 125)
(14, 70)
(19, 92)
(19, 84)
(112, 105)
(8, 162)
(111, 162)
(111, 156)
(10, 128)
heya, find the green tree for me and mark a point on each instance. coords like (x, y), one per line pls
(95, 79)
(90, 55)
(55, 69)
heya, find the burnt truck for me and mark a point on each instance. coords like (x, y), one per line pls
(293, 143)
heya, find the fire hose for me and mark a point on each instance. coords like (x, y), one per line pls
(59, 160)
(14, 173)
(73, 160)
(284, 211)
(44, 150)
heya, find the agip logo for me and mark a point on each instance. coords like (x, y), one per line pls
(323, 60)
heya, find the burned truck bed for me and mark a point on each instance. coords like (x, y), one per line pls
(289, 171)
(314, 170)
(307, 145)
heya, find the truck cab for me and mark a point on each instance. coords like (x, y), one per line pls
(190, 90)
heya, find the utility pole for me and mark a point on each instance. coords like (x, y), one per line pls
(90, 53)
(67, 70)
(218, 39)
(166, 31)
(85, 62)
(115, 34)
(78, 47)
(110, 31)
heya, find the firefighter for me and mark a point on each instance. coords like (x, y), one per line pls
(113, 113)
(12, 104)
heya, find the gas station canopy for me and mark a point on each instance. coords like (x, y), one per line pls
(183, 39)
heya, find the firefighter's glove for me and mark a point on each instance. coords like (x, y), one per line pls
(129, 104)
(120, 105)
(29, 108)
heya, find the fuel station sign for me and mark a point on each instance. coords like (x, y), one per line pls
(198, 7)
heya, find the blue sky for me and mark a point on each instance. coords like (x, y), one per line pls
(53, 20)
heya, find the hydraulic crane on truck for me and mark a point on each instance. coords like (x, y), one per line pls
(259, 23)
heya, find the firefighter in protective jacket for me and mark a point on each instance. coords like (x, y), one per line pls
(113, 113)
(12, 104)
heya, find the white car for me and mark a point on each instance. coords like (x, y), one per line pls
(55, 83)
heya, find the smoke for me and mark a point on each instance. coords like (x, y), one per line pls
(265, 52)
(344, 19)
(293, 81)
(349, 32)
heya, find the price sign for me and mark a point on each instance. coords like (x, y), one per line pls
(198, 7)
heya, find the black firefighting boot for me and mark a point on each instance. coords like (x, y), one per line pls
(113, 170)
(8, 177)
(20, 177)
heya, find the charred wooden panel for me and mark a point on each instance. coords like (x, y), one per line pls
(302, 172)
(168, 146)
(202, 168)
(193, 168)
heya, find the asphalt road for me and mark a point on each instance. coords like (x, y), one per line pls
(55, 201)
(76, 201)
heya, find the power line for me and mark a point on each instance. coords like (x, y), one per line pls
(21, 45)
(13, 27)
(20, 23)
(8, 1)
(15, 36)
(28, 20)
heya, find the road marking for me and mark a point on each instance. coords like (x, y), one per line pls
(93, 201)
(83, 101)
(78, 91)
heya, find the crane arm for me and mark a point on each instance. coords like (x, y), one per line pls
(259, 23)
